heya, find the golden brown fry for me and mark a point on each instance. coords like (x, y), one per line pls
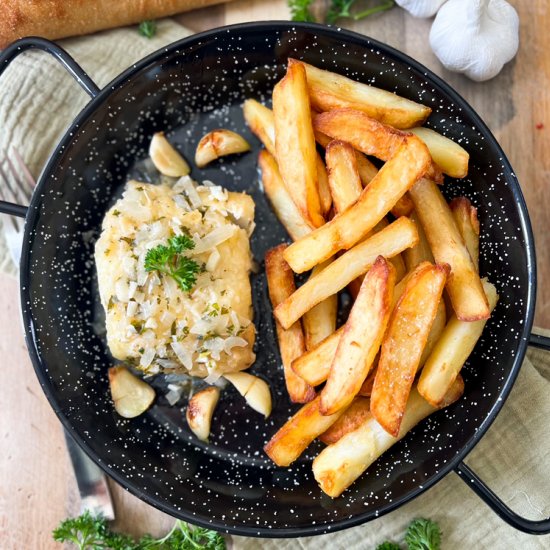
(421, 252)
(466, 220)
(296, 434)
(447, 245)
(295, 142)
(260, 120)
(280, 281)
(285, 209)
(340, 464)
(451, 351)
(320, 321)
(447, 154)
(353, 417)
(366, 387)
(333, 91)
(343, 176)
(403, 207)
(435, 332)
(361, 339)
(408, 330)
(396, 177)
(366, 168)
(390, 241)
(325, 197)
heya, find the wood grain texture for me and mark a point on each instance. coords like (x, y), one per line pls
(37, 486)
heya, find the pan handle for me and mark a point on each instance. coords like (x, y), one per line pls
(72, 67)
(540, 527)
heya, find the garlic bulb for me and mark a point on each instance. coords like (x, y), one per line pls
(421, 8)
(475, 37)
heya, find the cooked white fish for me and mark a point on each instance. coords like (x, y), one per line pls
(151, 322)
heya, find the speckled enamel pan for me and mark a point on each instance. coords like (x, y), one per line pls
(189, 87)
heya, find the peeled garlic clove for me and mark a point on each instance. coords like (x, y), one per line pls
(131, 395)
(200, 410)
(219, 143)
(421, 8)
(253, 389)
(475, 37)
(166, 159)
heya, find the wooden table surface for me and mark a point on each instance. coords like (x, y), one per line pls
(37, 486)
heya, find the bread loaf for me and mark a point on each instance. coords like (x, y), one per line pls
(61, 18)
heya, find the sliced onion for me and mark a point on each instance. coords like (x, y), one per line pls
(183, 354)
(213, 260)
(187, 186)
(147, 358)
(214, 238)
(234, 342)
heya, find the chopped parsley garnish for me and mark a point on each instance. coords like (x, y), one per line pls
(170, 260)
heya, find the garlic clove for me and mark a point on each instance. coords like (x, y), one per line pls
(200, 410)
(219, 143)
(253, 389)
(421, 8)
(166, 159)
(131, 395)
(475, 37)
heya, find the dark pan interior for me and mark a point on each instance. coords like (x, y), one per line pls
(230, 484)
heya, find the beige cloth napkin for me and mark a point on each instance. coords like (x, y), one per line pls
(39, 100)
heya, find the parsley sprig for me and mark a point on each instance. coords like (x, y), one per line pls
(87, 532)
(170, 260)
(422, 534)
(300, 10)
(148, 29)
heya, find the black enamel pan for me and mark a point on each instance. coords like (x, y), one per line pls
(185, 89)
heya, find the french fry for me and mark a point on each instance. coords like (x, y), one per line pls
(340, 464)
(361, 339)
(293, 438)
(353, 417)
(435, 332)
(396, 177)
(320, 321)
(403, 207)
(366, 168)
(447, 245)
(343, 176)
(408, 330)
(295, 142)
(366, 387)
(451, 351)
(329, 91)
(260, 120)
(314, 365)
(325, 197)
(447, 154)
(292, 219)
(466, 220)
(280, 281)
(390, 241)
(421, 252)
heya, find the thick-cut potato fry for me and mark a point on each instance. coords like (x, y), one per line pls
(314, 365)
(294, 222)
(366, 168)
(422, 251)
(390, 241)
(361, 339)
(366, 387)
(325, 197)
(320, 321)
(353, 417)
(343, 176)
(260, 120)
(296, 434)
(435, 332)
(340, 464)
(447, 245)
(451, 351)
(466, 220)
(295, 142)
(408, 330)
(403, 207)
(447, 154)
(329, 90)
(396, 177)
(280, 281)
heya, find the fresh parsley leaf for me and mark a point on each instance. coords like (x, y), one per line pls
(148, 28)
(169, 259)
(300, 10)
(423, 534)
(387, 545)
(342, 9)
(87, 532)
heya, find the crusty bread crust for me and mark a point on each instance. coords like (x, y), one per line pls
(61, 18)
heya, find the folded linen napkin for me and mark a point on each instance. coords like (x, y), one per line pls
(39, 100)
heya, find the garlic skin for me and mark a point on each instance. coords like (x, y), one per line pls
(421, 8)
(475, 37)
